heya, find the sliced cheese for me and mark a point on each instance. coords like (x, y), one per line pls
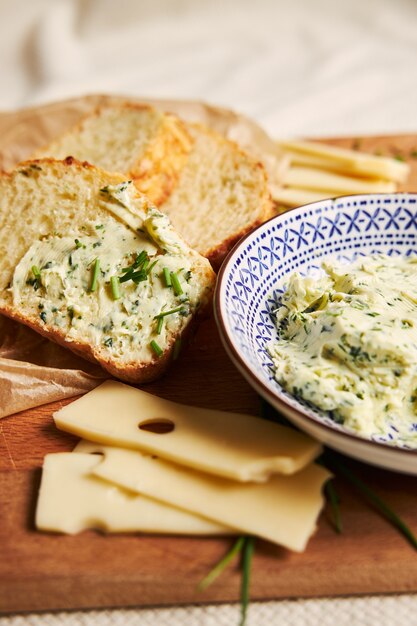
(322, 163)
(284, 510)
(71, 499)
(353, 162)
(237, 446)
(297, 197)
(311, 178)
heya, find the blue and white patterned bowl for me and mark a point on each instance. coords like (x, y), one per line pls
(253, 277)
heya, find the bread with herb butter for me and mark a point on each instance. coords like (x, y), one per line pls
(140, 142)
(89, 262)
(213, 191)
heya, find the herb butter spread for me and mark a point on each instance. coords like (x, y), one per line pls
(127, 283)
(348, 345)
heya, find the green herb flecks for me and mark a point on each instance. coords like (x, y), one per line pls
(108, 342)
(247, 555)
(244, 545)
(139, 270)
(176, 285)
(222, 564)
(181, 309)
(115, 290)
(167, 277)
(36, 282)
(156, 348)
(159, 324)
(373, 499)
(94, 277)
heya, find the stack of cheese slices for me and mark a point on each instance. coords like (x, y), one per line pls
(313, 171)
(150, 465)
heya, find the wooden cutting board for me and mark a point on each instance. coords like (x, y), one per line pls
(41, 571)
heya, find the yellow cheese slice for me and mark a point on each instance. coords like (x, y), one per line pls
(237, 446)
(311, 178)
(72, 500)
(284, 510)
(354, 162)
(290, 196)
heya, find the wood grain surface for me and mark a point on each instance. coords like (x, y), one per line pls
(41, 571)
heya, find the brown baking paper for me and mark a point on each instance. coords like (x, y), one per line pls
(33, 370)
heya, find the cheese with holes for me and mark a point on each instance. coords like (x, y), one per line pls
(283, 510)
(236, 446)
(72, 499)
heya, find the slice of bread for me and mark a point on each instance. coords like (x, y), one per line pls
(89, 262)
(221, 195)
(213, 191)
(138, 141)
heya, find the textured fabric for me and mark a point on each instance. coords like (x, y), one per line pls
(323, 67)
(299, 67)
(367, 611)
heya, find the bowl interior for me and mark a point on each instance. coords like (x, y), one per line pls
(255, 274)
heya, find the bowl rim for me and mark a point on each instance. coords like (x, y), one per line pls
(245, 370)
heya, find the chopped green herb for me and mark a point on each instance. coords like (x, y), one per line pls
(156, 348)
(221, 565)
(375, 500)
(43, 316)
(152, 265)
(176, 285)
(179, 309)
(36, 272)
(78, 244)
(108, 342)
(99, 226)
(246, 571)
(94, 278)
(182, 310)
(137, 271)
(159, 324)
(35, 282)
(115, 283)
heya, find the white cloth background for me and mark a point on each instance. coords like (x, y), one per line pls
(299, 67)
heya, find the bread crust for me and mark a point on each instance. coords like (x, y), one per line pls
(156, 171)
(217, 252)
(128, 370)
(136, 373)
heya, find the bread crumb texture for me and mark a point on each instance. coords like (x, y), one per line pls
(91, 263)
